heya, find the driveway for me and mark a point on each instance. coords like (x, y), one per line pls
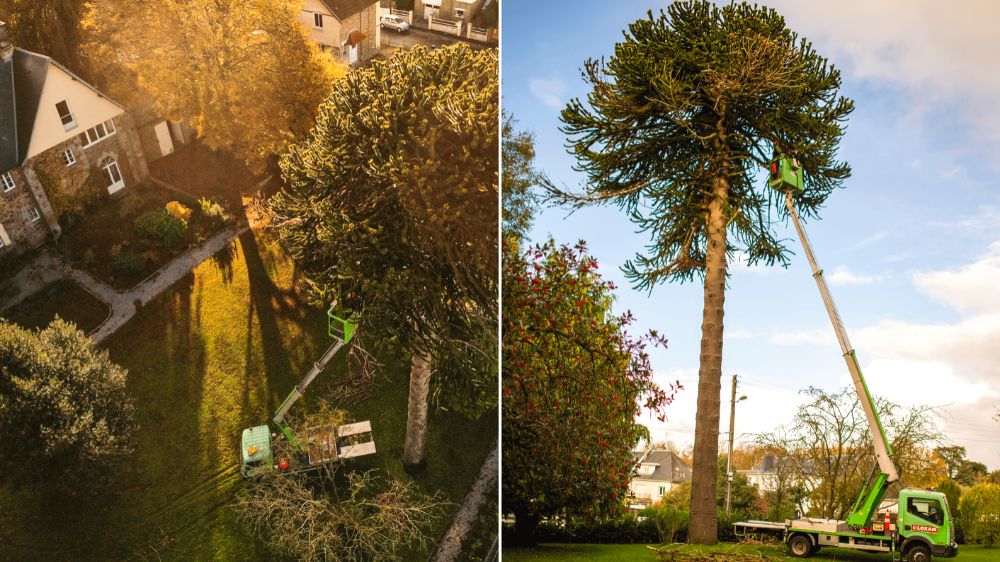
(392, 40)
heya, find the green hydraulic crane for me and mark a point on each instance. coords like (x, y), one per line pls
(786, 176)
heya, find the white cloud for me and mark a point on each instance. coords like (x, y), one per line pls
(970, 288)
(551, 92)
(935, 53)
(842, 276)
(802, 337)
(741, 262)
(870, 240)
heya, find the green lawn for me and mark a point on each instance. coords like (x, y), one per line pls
(64, 298)
(215, 354)
(638, 552)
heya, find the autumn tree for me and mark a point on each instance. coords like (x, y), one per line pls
(676, 125)
(828, 448)
(243, 73)
(65, 417)
(520, 179)
(390, 210)
(574, 380)
(50, 28)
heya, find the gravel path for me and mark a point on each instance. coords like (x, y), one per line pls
(486, 485)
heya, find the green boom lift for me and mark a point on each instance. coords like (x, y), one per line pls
(262, 451)
(922, 525)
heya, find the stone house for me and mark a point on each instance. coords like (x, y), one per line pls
(347, 28)
(61, 141)
(656, 473)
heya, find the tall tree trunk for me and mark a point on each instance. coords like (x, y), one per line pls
(416, 417)
(524, 527)
(703, 526)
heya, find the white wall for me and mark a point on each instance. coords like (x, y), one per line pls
(330, 34)
(87, 107)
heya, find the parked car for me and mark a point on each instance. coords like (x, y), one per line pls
(395, 22)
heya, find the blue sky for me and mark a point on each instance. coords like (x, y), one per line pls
(911, 246)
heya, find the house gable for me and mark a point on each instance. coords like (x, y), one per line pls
(88, 106)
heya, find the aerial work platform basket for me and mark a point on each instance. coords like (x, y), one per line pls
(341, 327)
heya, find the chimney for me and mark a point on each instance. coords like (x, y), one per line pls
(6, 47)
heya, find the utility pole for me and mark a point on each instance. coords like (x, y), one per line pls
(732, 429)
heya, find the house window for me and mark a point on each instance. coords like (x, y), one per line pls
(113, 173)
(33, 214)
(97, 133)
(68, 157)
(663, 490)
(66, 116)
(459, 12)
(7, 182)
(318, 21)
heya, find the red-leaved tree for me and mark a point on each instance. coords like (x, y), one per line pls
(574, 381)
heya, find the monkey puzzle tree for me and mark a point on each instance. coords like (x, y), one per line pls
(573, 383)
(390, 209)
(676, 125)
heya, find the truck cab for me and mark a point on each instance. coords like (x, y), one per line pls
(925, 523)
(256, 456)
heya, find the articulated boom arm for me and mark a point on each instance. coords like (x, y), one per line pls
(870, 498)
(299, 390)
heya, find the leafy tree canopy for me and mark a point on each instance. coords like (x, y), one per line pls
(51, 28)
(980, 507)
(243, 73)
(64, 413)
(519, 179)
(390, 210)
(574, 381)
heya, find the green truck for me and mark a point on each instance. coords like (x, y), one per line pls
(921, 525)
(263, 452)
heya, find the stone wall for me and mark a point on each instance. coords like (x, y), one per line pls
(24, 234)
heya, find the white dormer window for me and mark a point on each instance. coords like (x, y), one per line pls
(68, 157)
(33, 214)
(66, 116)
(318, 21)
(7, 182)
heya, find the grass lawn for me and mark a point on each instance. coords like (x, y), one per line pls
(64, 298)
(94, 240)
(215, 354)
(612, 552)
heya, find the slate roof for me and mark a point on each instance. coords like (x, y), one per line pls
(21, 82)
(671, 468)
(344, 9)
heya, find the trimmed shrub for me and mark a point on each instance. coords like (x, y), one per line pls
(671, 523)
(128, 262)
(162, 228)
(981, 514)
(178, 210)
(215, 212)
(626, 530)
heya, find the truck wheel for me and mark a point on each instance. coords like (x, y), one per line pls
(918, 553)
(800, 546)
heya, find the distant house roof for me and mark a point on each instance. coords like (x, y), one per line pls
(22, 80)
(668, 466)
(344, 9)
